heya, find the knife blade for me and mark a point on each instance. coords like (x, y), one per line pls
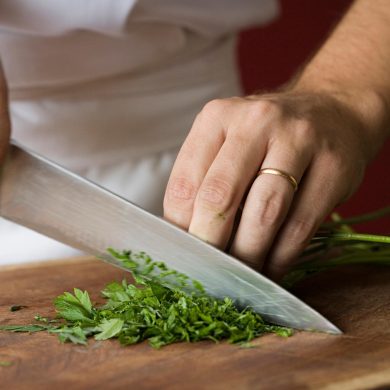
(45, 197)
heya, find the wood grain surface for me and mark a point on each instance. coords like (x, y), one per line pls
(355, 299)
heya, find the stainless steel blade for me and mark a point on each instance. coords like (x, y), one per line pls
(47, 198)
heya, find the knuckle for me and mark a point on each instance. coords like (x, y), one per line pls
(180, 193)
(304, 130)
(270, 209)
(303, 137)
(300, 231)
(334, 161)
(214, 107)
(217, 193)
(263, 109)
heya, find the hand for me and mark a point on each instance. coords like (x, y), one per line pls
(315, 137)
(4, 117)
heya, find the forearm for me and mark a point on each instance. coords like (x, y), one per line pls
(354, 63)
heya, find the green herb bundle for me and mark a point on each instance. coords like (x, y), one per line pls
(337, 244)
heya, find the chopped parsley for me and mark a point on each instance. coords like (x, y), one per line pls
(158, 309)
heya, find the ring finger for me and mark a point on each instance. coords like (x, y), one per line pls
(268, 202)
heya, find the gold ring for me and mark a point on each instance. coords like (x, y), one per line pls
(278, 172)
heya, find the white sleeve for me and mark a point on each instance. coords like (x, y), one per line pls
(55, 17)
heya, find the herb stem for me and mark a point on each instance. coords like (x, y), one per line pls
(367, 257)
(353, 237)
(358, 219)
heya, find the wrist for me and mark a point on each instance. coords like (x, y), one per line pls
(369, 106)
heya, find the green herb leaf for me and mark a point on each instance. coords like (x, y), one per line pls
(84, 300)
(74, 334)
(76, 307)
(109, 328)
(24, 328)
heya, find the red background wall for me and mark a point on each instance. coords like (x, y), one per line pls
(270, 55)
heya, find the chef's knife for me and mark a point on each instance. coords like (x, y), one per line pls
(47, 198)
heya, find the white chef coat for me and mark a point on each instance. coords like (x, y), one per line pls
(109, 89)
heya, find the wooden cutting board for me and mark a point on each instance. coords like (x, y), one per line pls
(355, 299)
